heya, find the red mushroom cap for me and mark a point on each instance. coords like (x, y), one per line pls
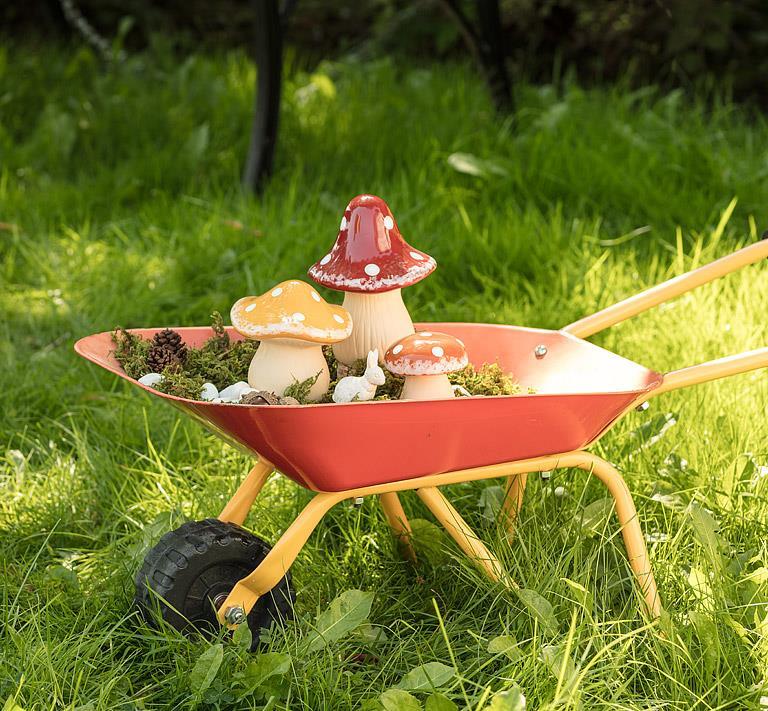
(370, 254)
(426, 353)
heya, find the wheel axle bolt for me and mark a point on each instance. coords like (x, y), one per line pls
(235, 615)
(540, 351)
(643, 406)
(357, 502)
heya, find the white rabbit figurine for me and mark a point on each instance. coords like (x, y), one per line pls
(361, 388)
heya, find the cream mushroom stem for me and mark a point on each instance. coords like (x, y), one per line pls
(280, 362)
(427, 387)
(379, 320)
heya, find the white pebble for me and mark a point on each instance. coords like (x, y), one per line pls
(208, 392)
(233, 393)
(151, 379)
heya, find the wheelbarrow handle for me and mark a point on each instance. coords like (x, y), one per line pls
(667, 290)
(712, 370)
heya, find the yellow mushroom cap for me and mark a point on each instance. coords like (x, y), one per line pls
(292, 309)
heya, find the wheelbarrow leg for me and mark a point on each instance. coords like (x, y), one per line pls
(463, 535)
(513, 500)
(630, 528)
(398, 522)
(239, 505)
(277, 562)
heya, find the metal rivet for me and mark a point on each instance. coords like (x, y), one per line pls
(235, 615)
(643, 406)
(546, 475)
(540, 351)
(357, 502)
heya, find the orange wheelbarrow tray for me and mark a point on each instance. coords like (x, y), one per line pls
(347, 451)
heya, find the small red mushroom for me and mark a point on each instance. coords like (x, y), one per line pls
(425, 358)
(371, 262)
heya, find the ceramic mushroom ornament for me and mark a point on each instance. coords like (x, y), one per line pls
(293, 322)
(371, 263)
(425, 359)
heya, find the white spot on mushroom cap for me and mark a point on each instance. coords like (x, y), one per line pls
(372, 269)
(426, 334)
(316, 296)
(325, 259)
(298, 316)
(343, 225)
(416, 256)
(389, 223)
(397, 349)
(277, 292)
(250, 308)
(438, 352)
(338, 318)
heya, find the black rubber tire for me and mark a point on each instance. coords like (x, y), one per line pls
(189, 567)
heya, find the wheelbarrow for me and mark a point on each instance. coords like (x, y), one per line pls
(215, 572)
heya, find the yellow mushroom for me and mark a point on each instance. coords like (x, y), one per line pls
(292, 322)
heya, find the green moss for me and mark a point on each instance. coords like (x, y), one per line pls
(181, 384)
(219, 360)
(300, 390)
(490, 379)
(222, 362)
(131, 352)
(218, 365)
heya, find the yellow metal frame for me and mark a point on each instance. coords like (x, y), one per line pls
(248, 590)
(274, 566)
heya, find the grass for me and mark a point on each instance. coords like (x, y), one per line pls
(119, 205)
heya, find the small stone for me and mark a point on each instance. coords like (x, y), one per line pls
(259, 397)
(233, 393)
(288, 400)
(208, 392)
(151, 379)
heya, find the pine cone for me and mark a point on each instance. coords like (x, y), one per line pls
(171, 341)
(161, 357)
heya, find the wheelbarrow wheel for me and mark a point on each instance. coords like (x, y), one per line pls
(189, 573)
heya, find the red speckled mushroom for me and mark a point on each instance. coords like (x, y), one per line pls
(371, 262)
(425, 358)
